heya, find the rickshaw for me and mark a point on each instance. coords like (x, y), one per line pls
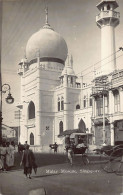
(77, 139)
(111, 159)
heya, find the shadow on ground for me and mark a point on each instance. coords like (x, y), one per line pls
(45, 159)
(42, 159)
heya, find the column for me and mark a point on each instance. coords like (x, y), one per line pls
(81, 103)
(111, 102)
(38, 107)
(112, 133)
(121, 99)
(65, 103)
(104, 140)
(93, 107)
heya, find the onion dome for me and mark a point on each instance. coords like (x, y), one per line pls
(47, 44)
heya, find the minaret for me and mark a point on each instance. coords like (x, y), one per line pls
(107, 20)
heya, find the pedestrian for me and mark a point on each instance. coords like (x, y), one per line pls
(7, 155)
(3, 153)
(67, 142)
(28, 160)
(12, 153)
(25, 144)
(70, 155)
(55, 147)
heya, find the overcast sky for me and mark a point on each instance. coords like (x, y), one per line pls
(75, 20)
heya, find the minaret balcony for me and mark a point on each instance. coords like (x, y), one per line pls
(113, 16)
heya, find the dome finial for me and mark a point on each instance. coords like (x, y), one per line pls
(46, 11)
(47, 26)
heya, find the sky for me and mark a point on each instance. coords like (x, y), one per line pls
(75, 20)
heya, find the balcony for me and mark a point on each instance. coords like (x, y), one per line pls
(108, 14)
(117, 77)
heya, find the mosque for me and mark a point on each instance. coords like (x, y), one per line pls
(55, 100)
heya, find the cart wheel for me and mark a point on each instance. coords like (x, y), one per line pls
(105, 163)
(116, 160)
(85, 159)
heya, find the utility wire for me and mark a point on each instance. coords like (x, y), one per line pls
(100, 61)
(101, 65)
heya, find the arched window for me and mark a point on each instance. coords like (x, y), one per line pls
(60, 127)
(31, 110)
(116, 101)
(62, 103)
(84, 102)
(58, 104)
(108, 7)
(31, 139)
(90, 101)
(77, 106)
(82, 126)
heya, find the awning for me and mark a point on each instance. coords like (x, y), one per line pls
(69, 132)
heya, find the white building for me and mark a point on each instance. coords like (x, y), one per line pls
(53, 98)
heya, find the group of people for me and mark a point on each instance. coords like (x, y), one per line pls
(7, 150)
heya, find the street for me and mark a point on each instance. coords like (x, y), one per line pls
(62, 179)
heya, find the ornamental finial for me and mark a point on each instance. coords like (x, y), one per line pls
(46, 11)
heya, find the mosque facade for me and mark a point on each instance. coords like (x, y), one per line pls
(54, 99)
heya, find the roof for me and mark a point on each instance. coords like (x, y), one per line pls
(73, 134)
(70, 131)
(107, 1)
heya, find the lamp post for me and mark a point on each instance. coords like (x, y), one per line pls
(9, 100)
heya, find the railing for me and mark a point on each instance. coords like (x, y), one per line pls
(98, 90)
(117, 76)
(109, 13)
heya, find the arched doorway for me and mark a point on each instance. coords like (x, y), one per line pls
(82, 126)
(31, 139)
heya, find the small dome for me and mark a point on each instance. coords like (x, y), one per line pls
(46, 43)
